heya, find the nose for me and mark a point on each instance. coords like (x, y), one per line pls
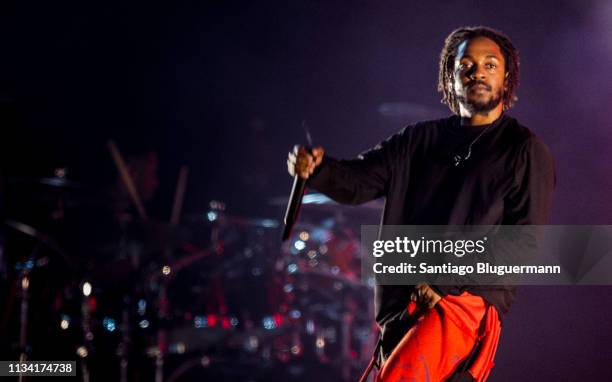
(477, 72)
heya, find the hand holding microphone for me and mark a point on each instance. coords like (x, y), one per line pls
(302, 161)
(301, 164)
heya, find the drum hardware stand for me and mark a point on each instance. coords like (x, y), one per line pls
(345, 345)
(123, 348)
(161, 332)
(162, 311)
(83, 351)
(25, 269)
(159, 351)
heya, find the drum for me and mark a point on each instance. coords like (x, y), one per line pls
(230, 297)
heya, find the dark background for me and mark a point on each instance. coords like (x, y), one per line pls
(223, 86)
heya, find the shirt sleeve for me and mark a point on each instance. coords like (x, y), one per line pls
(364, 178)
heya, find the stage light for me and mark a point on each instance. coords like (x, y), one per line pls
(179, 348)
(86, 289)
(295, 314)
(200, 322)
(320, 343)
(292, 268)
(211, 320)
(65, 322)
(310, 326)
(109, 324)
(269, 223)
(82, 351)
(205, 361)
(225, 323)
(299, 245)
(142, 307)
(25, 283)
(251, 344)
(268, 323)
(212, 216)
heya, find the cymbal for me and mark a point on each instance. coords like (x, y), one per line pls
(54, 182)
(316, 199)
(41, 237)
(48, 190)
(215, 216)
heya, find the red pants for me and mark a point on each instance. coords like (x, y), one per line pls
(442, 338)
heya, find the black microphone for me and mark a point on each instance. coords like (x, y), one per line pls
(293, 207)
(297, 192)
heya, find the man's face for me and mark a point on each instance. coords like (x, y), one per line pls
(480, 73)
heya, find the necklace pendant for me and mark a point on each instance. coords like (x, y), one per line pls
(457, 160)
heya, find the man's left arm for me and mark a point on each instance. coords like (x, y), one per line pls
(528, 202)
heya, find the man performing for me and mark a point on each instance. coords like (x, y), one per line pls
(476, 167)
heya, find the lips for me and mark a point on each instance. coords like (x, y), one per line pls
(479, 87)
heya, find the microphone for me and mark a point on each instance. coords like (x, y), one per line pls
(293, 207)
(297, 192)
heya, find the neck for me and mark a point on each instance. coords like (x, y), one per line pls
(469, 118)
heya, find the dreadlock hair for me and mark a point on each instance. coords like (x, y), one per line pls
(449, 53)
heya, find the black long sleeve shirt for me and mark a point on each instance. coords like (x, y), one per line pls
(508, 179)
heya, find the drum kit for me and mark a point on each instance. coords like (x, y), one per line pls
(210, 296)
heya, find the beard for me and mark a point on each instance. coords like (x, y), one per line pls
(476, 106)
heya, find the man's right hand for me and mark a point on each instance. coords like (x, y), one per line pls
(303, 162)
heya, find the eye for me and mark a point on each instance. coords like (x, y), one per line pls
(464, 66)
(491, 66)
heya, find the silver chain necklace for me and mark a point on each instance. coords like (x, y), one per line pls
(458, 159)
